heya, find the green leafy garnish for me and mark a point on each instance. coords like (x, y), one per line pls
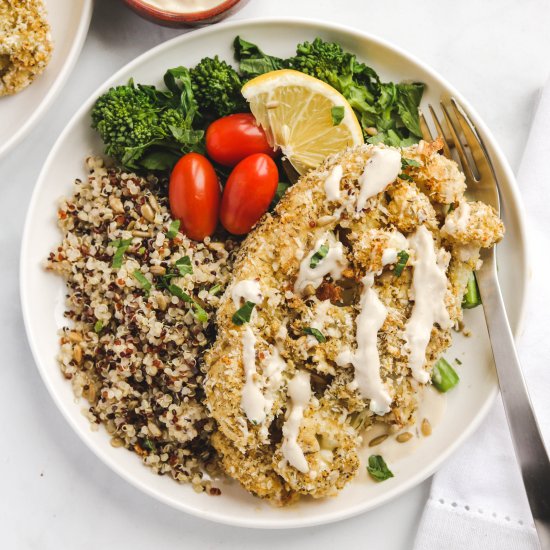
(184, 266)
(471, 298)
(142, 280)
(316, 333)
(122, 247)
(444, 376)
(408, 162)
(378, 469)
(148, 445)
(173, 229)
(215, 289)
(404, 176)
(402, 259)
(141, 250)
(200, 313)
(243, 314)
(337, 114)
(98, 327)
(458, 361)
(318, 256)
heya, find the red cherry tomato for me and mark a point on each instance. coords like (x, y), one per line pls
(232, 138)
(248, 192)
(194, 195)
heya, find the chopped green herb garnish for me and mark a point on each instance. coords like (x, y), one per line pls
(242, 315)
(173, 229)
(452, 206)
(403, 258)
(149, 445)
(408, 162)
(200, 313)
(141, 250)
(316, 333)
(98, 327)
(404, 176)
(458, 361)
(444, 376)
(144, 283)
(184, 266)
(122, 247)
(179, 293)
(472, 297)
(337, 114)
(318, 256)
(215, 289)
(378, 469)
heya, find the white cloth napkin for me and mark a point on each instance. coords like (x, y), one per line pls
(477, 499)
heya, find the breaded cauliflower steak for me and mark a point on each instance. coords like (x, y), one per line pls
(429, 193)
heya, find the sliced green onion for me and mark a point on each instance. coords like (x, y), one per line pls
(404, 176)
(173, 229)
(144, 283)
(316, 333)
(444, 377)
(98, 327)
(200, 314)
(472, 297)
(408, 162)
(337, 114)
(141, 250)
(184, 266)
(122, 247)
(378, 469)
(318, 256)
(403, 258)
(243, 314)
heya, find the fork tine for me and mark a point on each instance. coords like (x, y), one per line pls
(446, 149)
(477, 148)
(424, 128)
(458, 146)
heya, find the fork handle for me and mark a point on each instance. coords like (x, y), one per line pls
(528, 443)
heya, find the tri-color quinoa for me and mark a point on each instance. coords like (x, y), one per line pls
(141, 302)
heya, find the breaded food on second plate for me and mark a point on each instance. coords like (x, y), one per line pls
(25, 43)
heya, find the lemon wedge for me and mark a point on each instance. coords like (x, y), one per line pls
(304, 116)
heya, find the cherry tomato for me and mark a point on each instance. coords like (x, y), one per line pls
(248, 192)
(232, 138)
(194, 195)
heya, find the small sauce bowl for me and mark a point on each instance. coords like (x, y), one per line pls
(185, 19)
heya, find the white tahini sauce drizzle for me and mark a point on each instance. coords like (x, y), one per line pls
(252, 398)
(429, 286)
(381, 169)
(321, 317)
(184, 6)
(299, 392)
(396, 243)
(332, 183)
(333, 263)
(458, 219)
(248, 290)
(366, 359)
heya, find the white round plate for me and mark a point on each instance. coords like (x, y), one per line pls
(43, 293)
(69, 22)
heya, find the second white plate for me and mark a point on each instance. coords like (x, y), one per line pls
(69, 22)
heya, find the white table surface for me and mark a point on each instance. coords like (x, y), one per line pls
(55, 493)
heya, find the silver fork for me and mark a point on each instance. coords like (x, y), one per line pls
(461, 135)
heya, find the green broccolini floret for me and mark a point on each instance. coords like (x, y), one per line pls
(217, 87)
(146, 128)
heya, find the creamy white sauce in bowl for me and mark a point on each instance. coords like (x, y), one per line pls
(183, 6)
